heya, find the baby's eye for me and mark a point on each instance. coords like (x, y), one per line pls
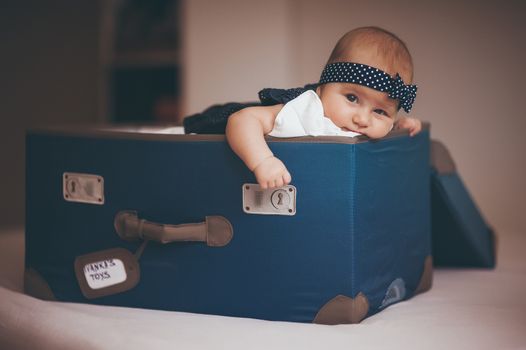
(381, 112)
(352, 97)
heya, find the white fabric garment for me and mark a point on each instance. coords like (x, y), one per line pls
(303, 116)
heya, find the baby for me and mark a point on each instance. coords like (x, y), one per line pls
(361, 90)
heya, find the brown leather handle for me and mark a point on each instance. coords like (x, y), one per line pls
(216, 231)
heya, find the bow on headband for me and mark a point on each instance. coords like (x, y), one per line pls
(357, 73)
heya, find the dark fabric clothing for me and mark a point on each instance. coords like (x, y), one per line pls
(213, 120)
(270, 96)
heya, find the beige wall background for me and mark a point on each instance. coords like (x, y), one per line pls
(49, 73)
(469, 65)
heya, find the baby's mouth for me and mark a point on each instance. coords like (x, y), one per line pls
(343, 128)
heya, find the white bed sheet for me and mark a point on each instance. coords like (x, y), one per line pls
(465, 309)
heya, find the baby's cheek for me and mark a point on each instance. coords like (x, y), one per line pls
(381, 129)
(335, 120)
(390, 125)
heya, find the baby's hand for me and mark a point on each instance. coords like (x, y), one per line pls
(271, 173)
(412, 124)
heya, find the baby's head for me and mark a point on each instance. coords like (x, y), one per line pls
(359, 87)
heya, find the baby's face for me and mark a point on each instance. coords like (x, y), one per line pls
(358, 108)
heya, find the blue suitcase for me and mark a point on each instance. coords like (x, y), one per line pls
(174, 222)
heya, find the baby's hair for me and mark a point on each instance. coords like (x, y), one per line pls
(387, 45)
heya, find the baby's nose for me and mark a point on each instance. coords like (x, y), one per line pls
(361, 119)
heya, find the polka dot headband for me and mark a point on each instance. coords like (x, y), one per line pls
(356, 73)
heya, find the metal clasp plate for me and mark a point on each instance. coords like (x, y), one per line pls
(276, 201)
(84, 188)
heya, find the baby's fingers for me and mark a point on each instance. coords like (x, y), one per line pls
(416, 128)
(287, 178)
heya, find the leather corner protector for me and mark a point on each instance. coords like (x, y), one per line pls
(36, 286)
(343, 310)
(441, 159)
(426, 280)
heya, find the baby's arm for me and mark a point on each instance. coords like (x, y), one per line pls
(245, 132)
(412, 124)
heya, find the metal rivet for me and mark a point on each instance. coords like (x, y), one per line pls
(247, 208)
(290, 210)
(247, 187)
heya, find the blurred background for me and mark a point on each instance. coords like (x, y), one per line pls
(99, 61)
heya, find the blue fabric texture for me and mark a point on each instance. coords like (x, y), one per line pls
(362, 223)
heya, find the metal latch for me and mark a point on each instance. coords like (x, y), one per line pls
(84, 188)
(276, 201)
